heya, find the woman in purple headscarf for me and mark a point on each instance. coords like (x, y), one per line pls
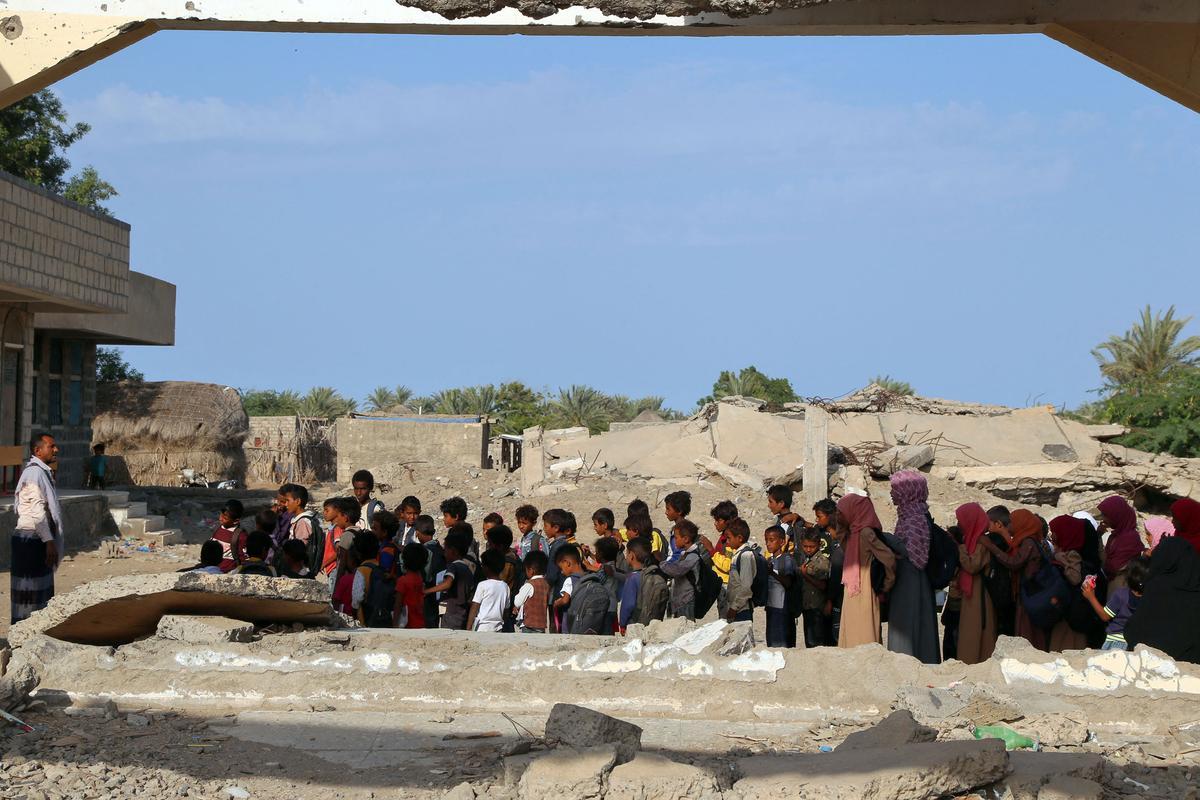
(1124, 542)
(912, 618)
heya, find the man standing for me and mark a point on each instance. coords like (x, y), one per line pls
(37, 541)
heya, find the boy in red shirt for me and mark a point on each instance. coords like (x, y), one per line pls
(231, 536)
(410, 587)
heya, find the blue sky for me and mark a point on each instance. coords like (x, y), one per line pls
(972, 215)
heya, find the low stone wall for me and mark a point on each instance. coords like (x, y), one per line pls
(86, 520)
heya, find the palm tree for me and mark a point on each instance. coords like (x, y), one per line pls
(747, 382)
(581, 407)
(324, 402)
(449, 401)
(1149, 352)
(381, 399)
(890, 384)
(401, 395)
(482, 400)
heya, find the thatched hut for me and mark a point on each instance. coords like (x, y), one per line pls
(153, 430)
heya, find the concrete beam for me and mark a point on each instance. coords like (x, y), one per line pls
(149, 320)
(1154, 43)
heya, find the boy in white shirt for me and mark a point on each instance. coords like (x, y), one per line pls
(492, 597)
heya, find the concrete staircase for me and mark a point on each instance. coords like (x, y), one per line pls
(133, 521)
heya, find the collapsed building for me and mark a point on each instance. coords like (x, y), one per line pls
(1032, 456)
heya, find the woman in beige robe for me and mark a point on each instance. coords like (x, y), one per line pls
(977, 619)
(859, 526)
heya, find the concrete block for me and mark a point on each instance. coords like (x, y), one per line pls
(910, 772)
(654, 776)
(569, 773)
(892, 460)
(204, 630)
(898, 728)
(734, 476)
(581, 727)
(138, 525)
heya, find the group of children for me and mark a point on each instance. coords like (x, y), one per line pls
(391, 568)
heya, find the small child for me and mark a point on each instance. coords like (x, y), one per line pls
(385, 526)
(613, 573)
(490, 521)
(454, 511)
(459, 583)
(373, 592)
(739, 598)
(293, 560)
(527, 517)
(97, 467)
(410, 588)
(586, 610)
(499, 540)
(652, 594)
(676, 505)
(362, 483)
(489, 604)
(258, 544)
(658, 542)
(559, 527)
(210, 559)
(684, 569)
(779, 502)
(434, 565)
(603, 522)
(722, 553)
(532, 602)
(815, 573)
(409, 510)
(1122, 602)
(342, 577)
(781, 625)
(231, 536)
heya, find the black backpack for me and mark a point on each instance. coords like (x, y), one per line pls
(943, 557)
(380, 600)
(315, 548)
(761, 585)
(706, 583)
(1046, 596)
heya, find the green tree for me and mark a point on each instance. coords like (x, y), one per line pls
(270, 403)
(1149, 352)
(34, 138)
(325, 402)
(381, 399)
(1163, 415)
(892, 385)
(482, 400)
(580, 407)
(111, 367)
(449, 401)
(749, 382)
(89, 189)
(519, 408)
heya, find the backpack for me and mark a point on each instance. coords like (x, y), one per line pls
(390, 547)
(369, 511)
(256, 568)
(760, 587)
(1047, 595)
(380, 599)
(943, 557)
(706, 583)
(316, 542)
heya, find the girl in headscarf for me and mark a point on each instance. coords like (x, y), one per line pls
(977, 619)
(1023, 557)
(1069, 535)
(1156, 529)
(860, 527)
(912, 618)
(1124, 542)
(1168, 615)
(1186, 514)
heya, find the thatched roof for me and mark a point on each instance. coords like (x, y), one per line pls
(171, 415)
(649, 415)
